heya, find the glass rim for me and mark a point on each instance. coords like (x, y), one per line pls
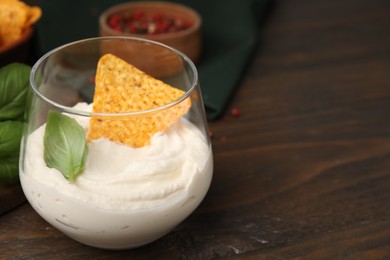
(79, 112)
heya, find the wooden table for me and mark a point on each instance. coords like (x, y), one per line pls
(304, 172)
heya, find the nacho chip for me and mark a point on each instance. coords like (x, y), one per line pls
(121, 87)
(15, 18)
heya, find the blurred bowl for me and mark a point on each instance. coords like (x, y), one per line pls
(187, 41)
(18, 51)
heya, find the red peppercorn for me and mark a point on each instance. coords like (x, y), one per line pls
(92, 79)
(114, 20)
(138, 15)
(211, 134)
(235, 112)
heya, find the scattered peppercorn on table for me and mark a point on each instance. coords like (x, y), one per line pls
(302, 154)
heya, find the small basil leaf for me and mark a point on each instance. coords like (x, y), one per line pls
(10, 136)
(9, 169)
(65, 146)
(14, 81)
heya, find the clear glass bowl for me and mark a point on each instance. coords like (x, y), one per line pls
(125, 197)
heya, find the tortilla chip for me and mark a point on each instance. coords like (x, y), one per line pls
(121, 87)
(15, 18)
(34, 14)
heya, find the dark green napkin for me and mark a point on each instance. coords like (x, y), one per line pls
(229, 38)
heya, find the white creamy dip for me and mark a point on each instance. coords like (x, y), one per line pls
(126, 196)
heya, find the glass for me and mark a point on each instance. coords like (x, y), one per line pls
(126, 196)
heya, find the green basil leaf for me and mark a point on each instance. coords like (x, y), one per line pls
(65, 146)
(14, 82)
(10, 136)
(9, 169)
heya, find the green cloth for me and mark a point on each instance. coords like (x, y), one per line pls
(229, 37)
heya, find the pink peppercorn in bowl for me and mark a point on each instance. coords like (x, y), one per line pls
(175, 25)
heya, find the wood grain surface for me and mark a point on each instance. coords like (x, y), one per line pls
(303, 172)
(11, 196)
